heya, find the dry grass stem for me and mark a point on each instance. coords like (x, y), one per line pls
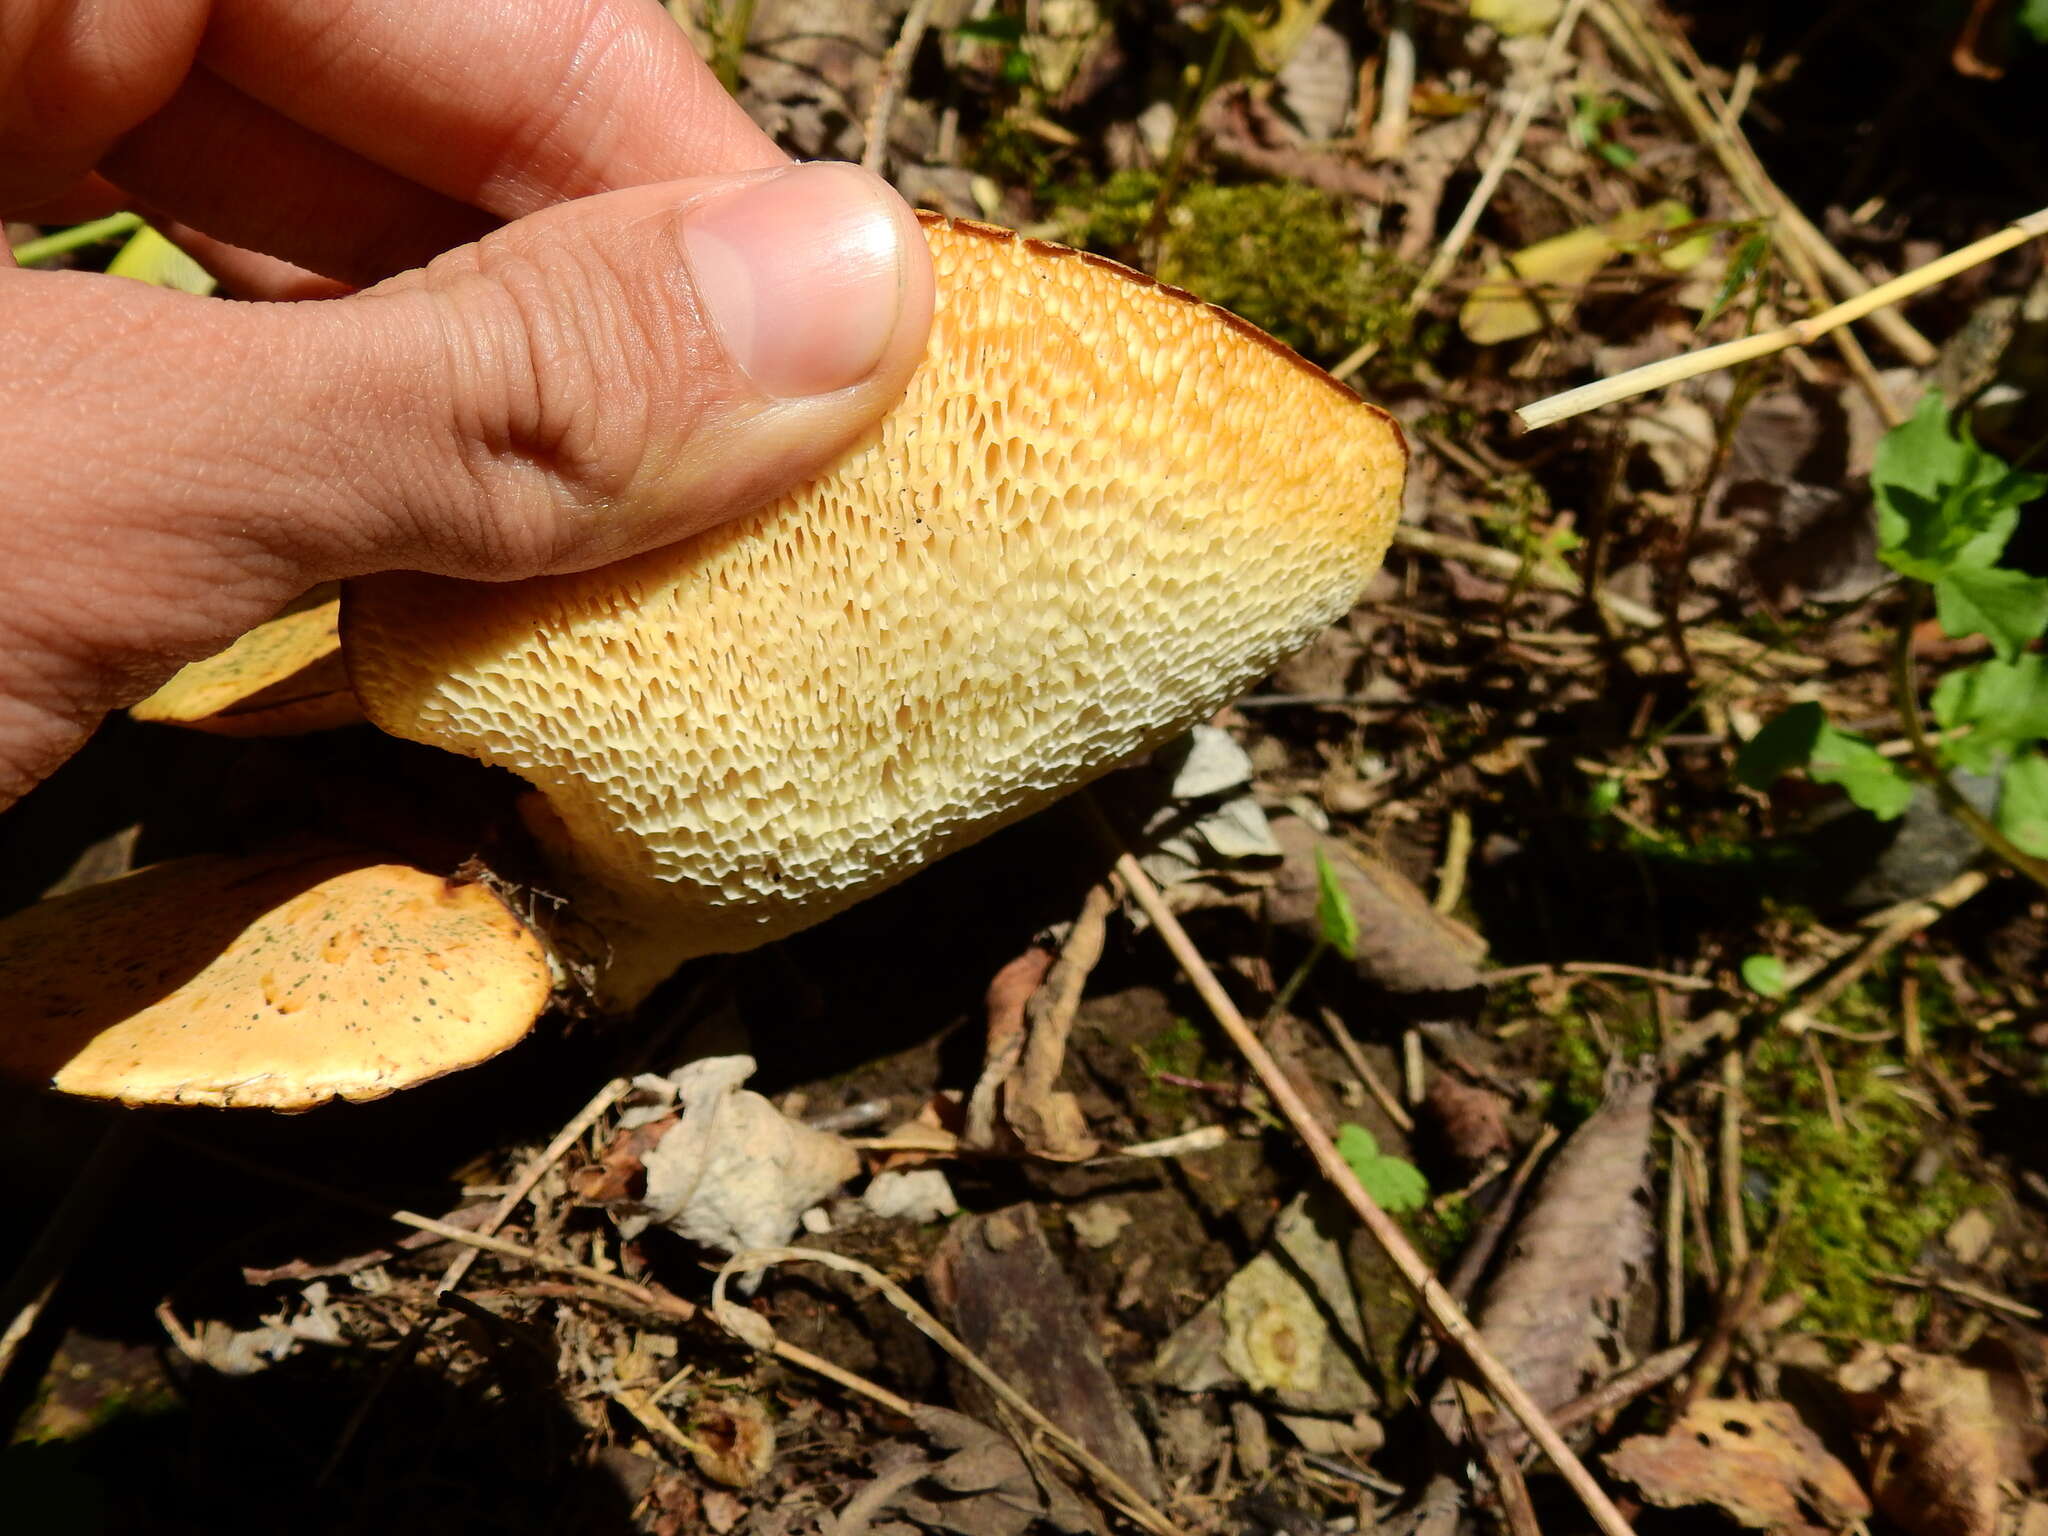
(1382, 1095)
(532, 1174)
(1509, 145)
(1673, 370)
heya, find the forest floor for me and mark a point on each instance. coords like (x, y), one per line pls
(1694, 1032)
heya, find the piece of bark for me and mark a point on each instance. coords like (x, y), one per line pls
(1405, 946)
(995, 1283)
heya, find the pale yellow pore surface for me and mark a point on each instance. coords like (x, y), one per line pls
(1102, 509)
(279, 982)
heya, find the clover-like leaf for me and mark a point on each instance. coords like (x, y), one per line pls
(2000, 706)
(1396, 1183)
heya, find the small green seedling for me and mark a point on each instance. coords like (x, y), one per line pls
(1765, 975)
(1336, 928)
(1946, 509)
(1397, 1184)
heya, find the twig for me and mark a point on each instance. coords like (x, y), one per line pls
(1503, 156)
(1518, 1511)
(1676, 979)
(1962, 1290)
(1674, 1248)
(1735, 1231)
(1805, 1013)
(1744, 169)
(753, 1329)
(1381, 1093)
(1457, 854)
(1436, 1302)
(532, 1174)
(1501, 562)
(889, 85)
(1485, 1242)
(1619, 1391)
(1800, 333)
(1397, 86)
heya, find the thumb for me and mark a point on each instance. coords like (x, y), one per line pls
(591, 381)
(605, 376)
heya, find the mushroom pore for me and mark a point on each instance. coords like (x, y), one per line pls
(1102, 509)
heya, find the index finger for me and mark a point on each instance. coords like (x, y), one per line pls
(508, 105)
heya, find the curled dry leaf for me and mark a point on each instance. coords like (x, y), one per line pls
(1946, 1435)
(734, 1173)
(735, 1440)
(1471, 1121)
(1757, 1463)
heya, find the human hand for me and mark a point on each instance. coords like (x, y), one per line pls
(703, 327)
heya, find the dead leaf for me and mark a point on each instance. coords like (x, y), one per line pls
(1287, 1325)
(735, 1440)
(995, 1282)
(1944, 1434)
(1758, 1463)
(1405, 945)
(1541, 283)
(1559, 1291)
(1471, 1121)
(911, 1194)
(734, 1173)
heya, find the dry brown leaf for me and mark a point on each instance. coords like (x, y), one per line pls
(1404, 944)
(1757, 1463)
(1471, 1121)
(1944, 1434)
(1559, 1291)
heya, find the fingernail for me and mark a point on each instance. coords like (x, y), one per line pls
(802, 274)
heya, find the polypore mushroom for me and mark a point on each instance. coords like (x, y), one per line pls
(283, 677)
(1102, 509)
(279, 981)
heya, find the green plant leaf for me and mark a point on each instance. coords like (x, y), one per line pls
(1742, 266)
(149, 258)
(1782, 745)
(1397, 1184)
(1802, 737)
(1868, 777)
(1946, 505)
(2032, 19)
(1764, 975)
(2023, 804)
(2008, 608)
(1334, 917)
(2003, 705)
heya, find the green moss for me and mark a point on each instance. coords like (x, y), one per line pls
(1283, 255)
(1855, 1210)
(1181, 1050)
(1579, 1081)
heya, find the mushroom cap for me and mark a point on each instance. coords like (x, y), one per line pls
(1102, 509)
(283, 677)
(276, 982)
